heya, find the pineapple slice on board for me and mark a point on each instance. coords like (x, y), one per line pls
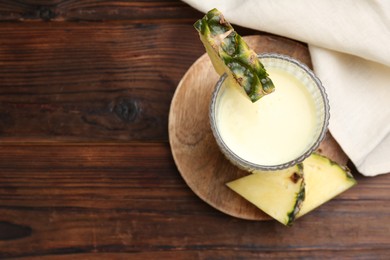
(277, 193)
(319, 180)
(324, 180)
(229, 53)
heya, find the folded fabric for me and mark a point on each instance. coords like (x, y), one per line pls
(349, 42)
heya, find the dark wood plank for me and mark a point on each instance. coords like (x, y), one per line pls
(88, 81)
(96, 10)
(91, 81)
(231, 253)
(109, 198)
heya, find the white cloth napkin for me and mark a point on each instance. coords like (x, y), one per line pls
(349, 42)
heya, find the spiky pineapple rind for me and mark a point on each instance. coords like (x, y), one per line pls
(239, 60)
(300, 197)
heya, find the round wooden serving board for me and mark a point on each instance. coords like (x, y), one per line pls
(196, 154)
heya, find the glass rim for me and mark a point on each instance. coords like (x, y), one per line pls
(250, 166)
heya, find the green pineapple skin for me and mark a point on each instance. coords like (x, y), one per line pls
(300, 197)
(229, 53)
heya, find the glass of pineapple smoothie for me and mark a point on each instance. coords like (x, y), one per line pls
(277, 131)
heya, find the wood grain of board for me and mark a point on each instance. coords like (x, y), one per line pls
(194, 149)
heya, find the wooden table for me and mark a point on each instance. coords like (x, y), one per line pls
(86, 169)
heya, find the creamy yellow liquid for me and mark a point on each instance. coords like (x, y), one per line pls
(274, 130)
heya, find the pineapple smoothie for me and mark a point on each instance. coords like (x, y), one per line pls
(280, 129)
(268, 111)
(272, 131)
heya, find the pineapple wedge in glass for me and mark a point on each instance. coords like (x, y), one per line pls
(277, 193)
(230, 54)
(324, 180)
